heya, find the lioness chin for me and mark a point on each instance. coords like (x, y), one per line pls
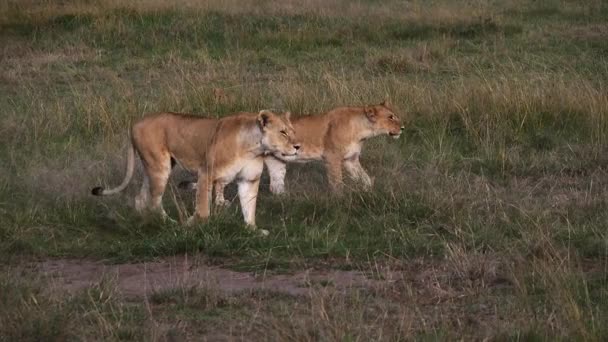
(220, 151)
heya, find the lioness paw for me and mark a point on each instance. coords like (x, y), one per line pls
(168, 219)
(222, 203)
(192, 220)
(277, 189)
(368, 184)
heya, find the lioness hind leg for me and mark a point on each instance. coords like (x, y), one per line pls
(157, 189)
(203, 198)
(157, 176)
(143, 198)
(277, 170)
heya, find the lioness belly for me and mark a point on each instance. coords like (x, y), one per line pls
(241, 169)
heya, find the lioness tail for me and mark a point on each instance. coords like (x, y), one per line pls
(100, 191)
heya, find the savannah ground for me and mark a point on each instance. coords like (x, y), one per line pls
(488, 218)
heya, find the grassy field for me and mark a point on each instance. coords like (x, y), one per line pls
(491, 210)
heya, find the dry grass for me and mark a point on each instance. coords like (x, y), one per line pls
(465, 296)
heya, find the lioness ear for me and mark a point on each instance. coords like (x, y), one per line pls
(288, 116)
(370, 113)
(386, 102)
(264, 118)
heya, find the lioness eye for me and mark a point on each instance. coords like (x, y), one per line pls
(392, 117)
(284, 133)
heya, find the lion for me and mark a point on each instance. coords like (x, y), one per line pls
(336, 138)
(219, 150)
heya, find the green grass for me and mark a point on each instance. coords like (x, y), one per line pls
(503, 153)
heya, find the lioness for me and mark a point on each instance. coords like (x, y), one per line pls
(219, 150)
(336, 138)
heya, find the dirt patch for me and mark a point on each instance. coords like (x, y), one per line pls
(431, 281)
(140, 279)
(591, 32)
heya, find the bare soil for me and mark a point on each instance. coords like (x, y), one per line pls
(135, 280)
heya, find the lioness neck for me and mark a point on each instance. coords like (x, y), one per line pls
(362, 126)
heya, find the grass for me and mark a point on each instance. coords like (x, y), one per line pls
(503, 156)
(95, 313)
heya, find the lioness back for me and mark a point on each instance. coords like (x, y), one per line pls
(185, 137)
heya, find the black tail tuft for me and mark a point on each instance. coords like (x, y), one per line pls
(98, 191)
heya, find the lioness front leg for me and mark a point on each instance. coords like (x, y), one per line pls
(203, 197)
(277, 170)
(357, 173)
(333, 163)
(248, 194)
(143, 198)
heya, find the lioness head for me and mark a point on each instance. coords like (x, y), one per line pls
(278, 135)
(384, 120)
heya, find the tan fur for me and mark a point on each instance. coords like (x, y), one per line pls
(336, 138)
(218, 150)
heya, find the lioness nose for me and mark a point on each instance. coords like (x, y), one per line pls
(297, 146)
